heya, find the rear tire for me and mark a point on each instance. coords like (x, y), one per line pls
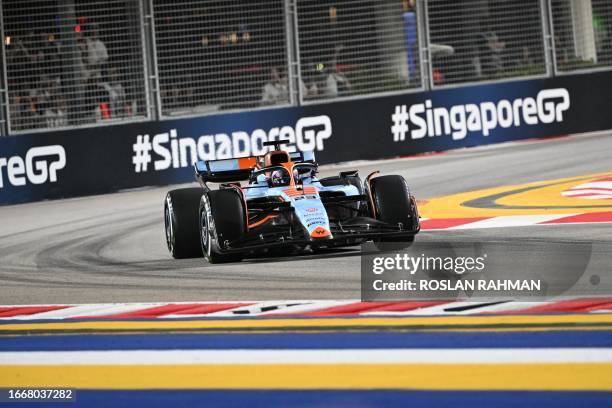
(221, 219)
(181, 222)
(394, 205)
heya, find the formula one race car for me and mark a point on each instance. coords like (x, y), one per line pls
(283, 205)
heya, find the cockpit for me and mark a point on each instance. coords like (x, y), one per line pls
(280, 176)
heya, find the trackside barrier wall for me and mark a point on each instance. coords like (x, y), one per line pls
(102, 160)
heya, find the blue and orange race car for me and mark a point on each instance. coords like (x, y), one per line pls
(277, 201)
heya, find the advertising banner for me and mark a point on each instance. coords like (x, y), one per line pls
(111, 158)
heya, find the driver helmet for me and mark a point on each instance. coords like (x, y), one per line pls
(277, 179)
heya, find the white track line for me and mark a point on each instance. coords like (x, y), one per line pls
(434, 310)
(511, 221)
(325, 356)
(97, 310)
(576, 191)
(440, 309)
(311, 307)
(256, 308)
(508, 307)
(289, 307)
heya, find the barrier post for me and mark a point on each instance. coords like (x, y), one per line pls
(150, 57)
(293, 57)
(4, 97)
(548, 38)
(423, 34)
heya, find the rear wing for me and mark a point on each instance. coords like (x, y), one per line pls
(225, 171)
(240, 169)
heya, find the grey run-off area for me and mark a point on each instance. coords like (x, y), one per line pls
(111, 248)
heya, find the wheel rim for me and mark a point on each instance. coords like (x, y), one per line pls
(169, 229)
(204, 234)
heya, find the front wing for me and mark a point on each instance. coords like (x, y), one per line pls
(349, 232)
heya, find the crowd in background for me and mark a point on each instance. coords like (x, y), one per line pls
(315, 80)
(217, 55)
(45, 75)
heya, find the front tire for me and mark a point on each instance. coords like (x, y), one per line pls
(221, 220)
(393, 204)
(181, 222)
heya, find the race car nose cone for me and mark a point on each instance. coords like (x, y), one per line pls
(320, 232)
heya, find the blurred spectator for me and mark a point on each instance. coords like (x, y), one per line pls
(28, 59)
(81, 69)
(97, 54)
(526, 58)
(39, 100)
(51, 55)
(116, 93)
(308, 81)
(56, 112)
(308, 91)
(490, 50)
(336, 83)
(56, 117)
(275, 90)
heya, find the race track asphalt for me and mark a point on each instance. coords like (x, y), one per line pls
(111, 248)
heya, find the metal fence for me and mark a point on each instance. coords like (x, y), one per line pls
(357, 47)
(476, 40)
(68, 63)
(72, 63)
(219, 55)
(582, 34)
